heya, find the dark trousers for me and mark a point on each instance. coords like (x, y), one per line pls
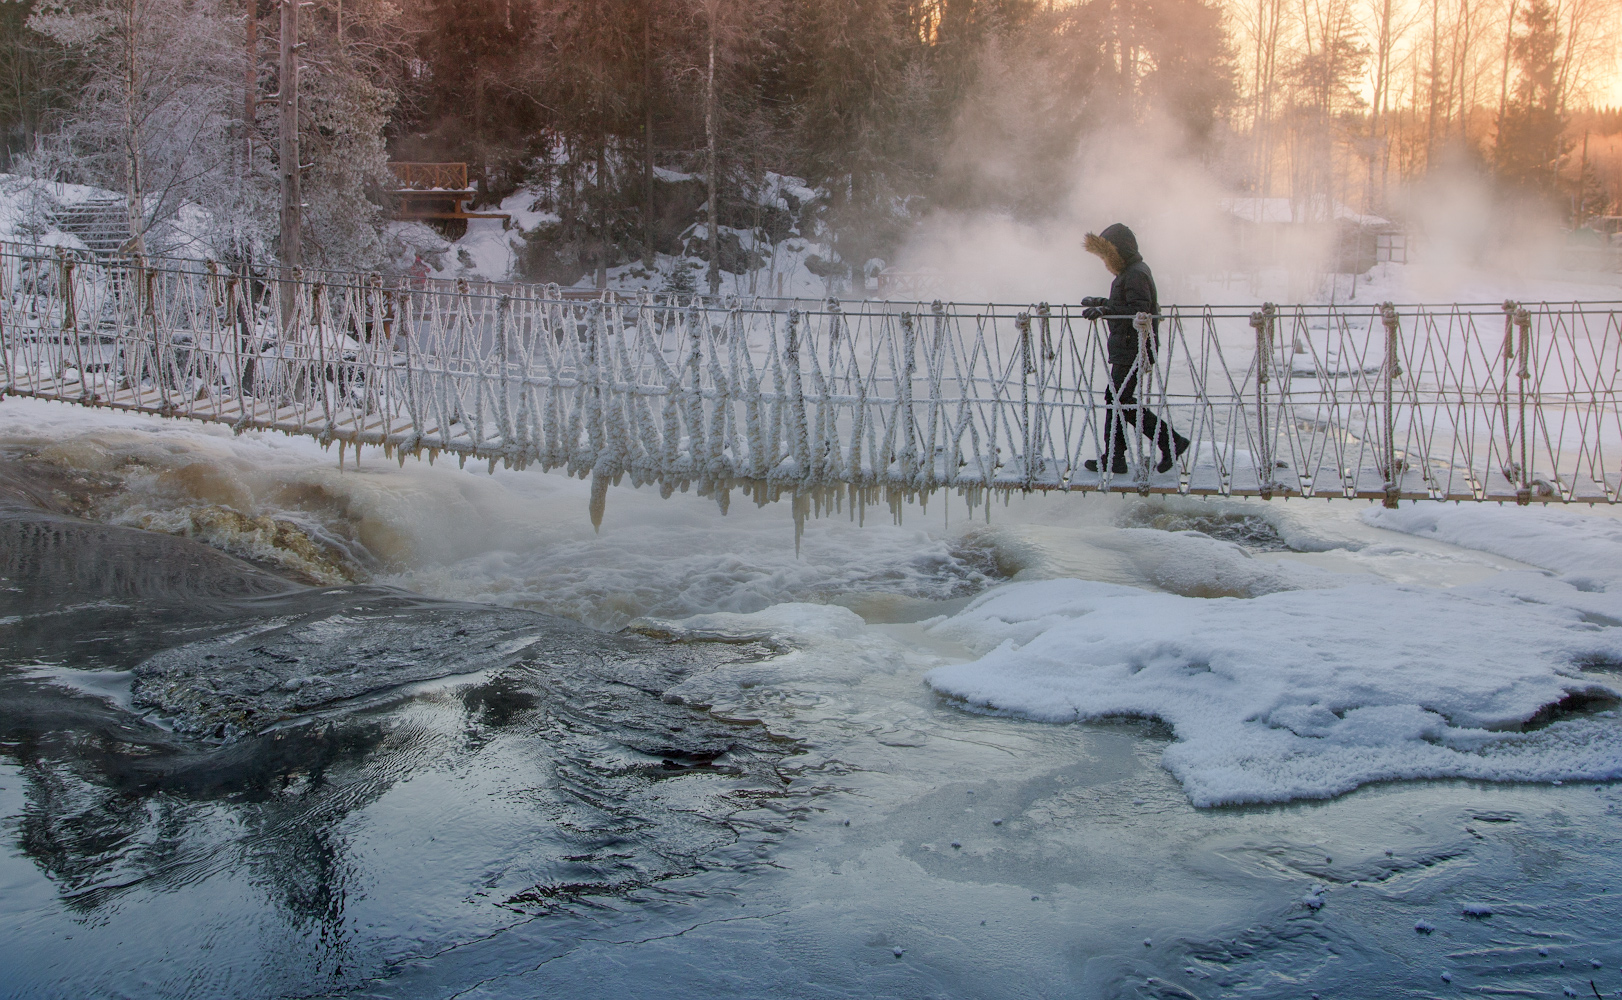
(1123, 389)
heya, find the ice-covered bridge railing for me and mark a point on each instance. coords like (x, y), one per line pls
(832, 403)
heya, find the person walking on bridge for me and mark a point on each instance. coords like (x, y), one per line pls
(1132, 292)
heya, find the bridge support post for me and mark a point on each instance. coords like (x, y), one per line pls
(1026, 366)
(1511, 473)
(907, 457)
(1263, 323)
(1388, 431)
(1523, 322)
(1143, 324)
(8, 345)
(1044, 356)
(70, 315)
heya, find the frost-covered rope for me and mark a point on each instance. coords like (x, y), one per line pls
(828, 402)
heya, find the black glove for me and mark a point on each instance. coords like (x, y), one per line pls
(1092, 312)
(1094, 300)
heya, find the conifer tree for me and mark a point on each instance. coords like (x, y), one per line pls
(1530, 139)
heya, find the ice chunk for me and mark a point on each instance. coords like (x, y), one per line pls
(1302, 694)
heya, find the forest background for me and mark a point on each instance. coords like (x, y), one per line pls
(632, 118)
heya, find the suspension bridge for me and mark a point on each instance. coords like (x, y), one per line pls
(834, 404)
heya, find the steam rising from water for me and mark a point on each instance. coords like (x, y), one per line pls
(1140, 174)
(1023, 203)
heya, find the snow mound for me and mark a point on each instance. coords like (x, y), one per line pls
(1581, 547)
(1310, 693)
(1194, 564)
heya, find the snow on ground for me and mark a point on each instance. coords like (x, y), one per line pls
(1402, 283)
(26, 206)
(23, 206)
(491, 250)
(1302, 694)
(523, 206)
(1586, 549)
(1312, 692)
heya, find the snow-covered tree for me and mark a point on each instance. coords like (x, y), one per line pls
(347, 100)
(155, 115)
(161, 119)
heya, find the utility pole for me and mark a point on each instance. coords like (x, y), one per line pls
(292, 196)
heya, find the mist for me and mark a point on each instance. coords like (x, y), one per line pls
(1141, 174)
(1467, 238)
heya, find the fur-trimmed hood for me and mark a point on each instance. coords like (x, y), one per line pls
(1116, 245)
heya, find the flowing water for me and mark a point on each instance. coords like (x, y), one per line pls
(269, 728)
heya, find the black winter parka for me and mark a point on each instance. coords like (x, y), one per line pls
(1132, 292)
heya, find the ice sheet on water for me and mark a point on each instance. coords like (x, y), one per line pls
(1305, 694)
(820, 645)
(1582, 547)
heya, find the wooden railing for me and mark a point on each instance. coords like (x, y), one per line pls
(435, 191)
(431, 176)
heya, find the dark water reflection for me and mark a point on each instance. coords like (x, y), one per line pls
(176, 718)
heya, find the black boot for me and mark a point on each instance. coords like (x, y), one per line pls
(1118, 466)
(1169, 456)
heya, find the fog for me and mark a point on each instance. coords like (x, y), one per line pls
(1467, 239)
(1141, 174)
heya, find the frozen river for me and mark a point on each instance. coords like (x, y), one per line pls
(909, 761)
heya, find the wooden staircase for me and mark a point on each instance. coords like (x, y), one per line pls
(102, 224)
